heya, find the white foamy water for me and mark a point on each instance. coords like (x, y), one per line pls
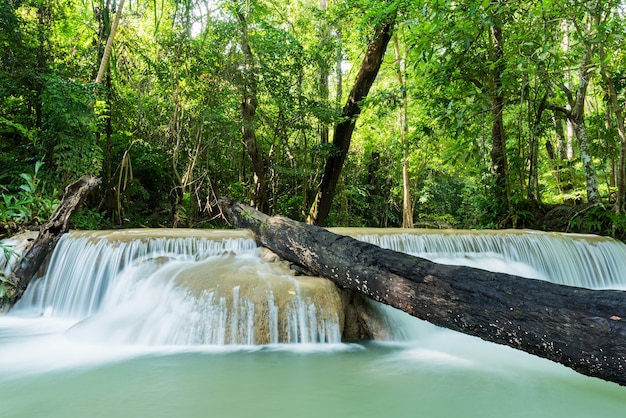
(572, 259)
(105, 300)
(173, 290)
(166, 326)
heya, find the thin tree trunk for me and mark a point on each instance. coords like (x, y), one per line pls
(248, 111)
(407, 206)
(533, 174)
(561, 154)
(576, 116)
(176, 137)
(560, 135)
(591, 179)
(499, 166)
(44, 20)
(621, 131)
(343, 130)
(324, 90)
(107, 49)
(339, 66)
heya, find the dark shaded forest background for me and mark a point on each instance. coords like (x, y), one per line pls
(483, 114)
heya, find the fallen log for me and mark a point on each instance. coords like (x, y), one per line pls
(580, 328)
(46, 240)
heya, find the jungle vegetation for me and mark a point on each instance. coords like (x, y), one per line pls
(474, 114)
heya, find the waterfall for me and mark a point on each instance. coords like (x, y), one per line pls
(190, 287)
(132, 288)
(572, 259)
(83, 268)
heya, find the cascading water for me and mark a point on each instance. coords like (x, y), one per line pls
(158, 288)
(576, 260)
(178, 290)
(160, 324)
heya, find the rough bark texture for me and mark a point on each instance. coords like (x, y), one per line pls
(47, 239)
(407, 206)
(499, 163)
(248, 110)
(343, 130)
(576, 116)
(580, 328)
(621, 131)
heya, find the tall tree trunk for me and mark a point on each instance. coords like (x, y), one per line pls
(569, 146)
(109, 194)
(533, 172)
(591, 178)
(577, 99)
(343, 130)
(499, 166)
(621, 131)
(577, 118)
(560, 135)
(107, 49)
(248, 110)
(44, 20)
(407, 206)
(339, 65)
(561, 152)
(324, 90)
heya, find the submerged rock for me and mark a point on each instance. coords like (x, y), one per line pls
(270, 304)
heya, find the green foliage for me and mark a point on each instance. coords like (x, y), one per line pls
(29, 205)
(7, 253)
(89, 219)
(4, 281)
(440, 198)
(291, 207)
(68, 127)
(164, 129)
(597, 219)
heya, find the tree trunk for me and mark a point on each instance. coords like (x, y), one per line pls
(579, 328)
(248, 110)
(339, 65)
(343, 130)
(324, 75)
(561, 153)
(107, 49)
(44, 20)
(621, 131)
(407, 206)
(499, 166)
(577, 117)
(533, 172)
(560, 135)
(47, 239)
(591, 178)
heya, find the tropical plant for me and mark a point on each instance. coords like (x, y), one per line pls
(31, 204)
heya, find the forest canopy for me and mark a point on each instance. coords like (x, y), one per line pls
(480, 113)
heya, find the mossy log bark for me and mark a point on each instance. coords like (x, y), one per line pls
(580, 328)
(46, 240)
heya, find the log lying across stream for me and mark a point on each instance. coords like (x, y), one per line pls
(49, 234)
(580, 328)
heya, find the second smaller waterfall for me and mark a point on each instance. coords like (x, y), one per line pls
(573, 259)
